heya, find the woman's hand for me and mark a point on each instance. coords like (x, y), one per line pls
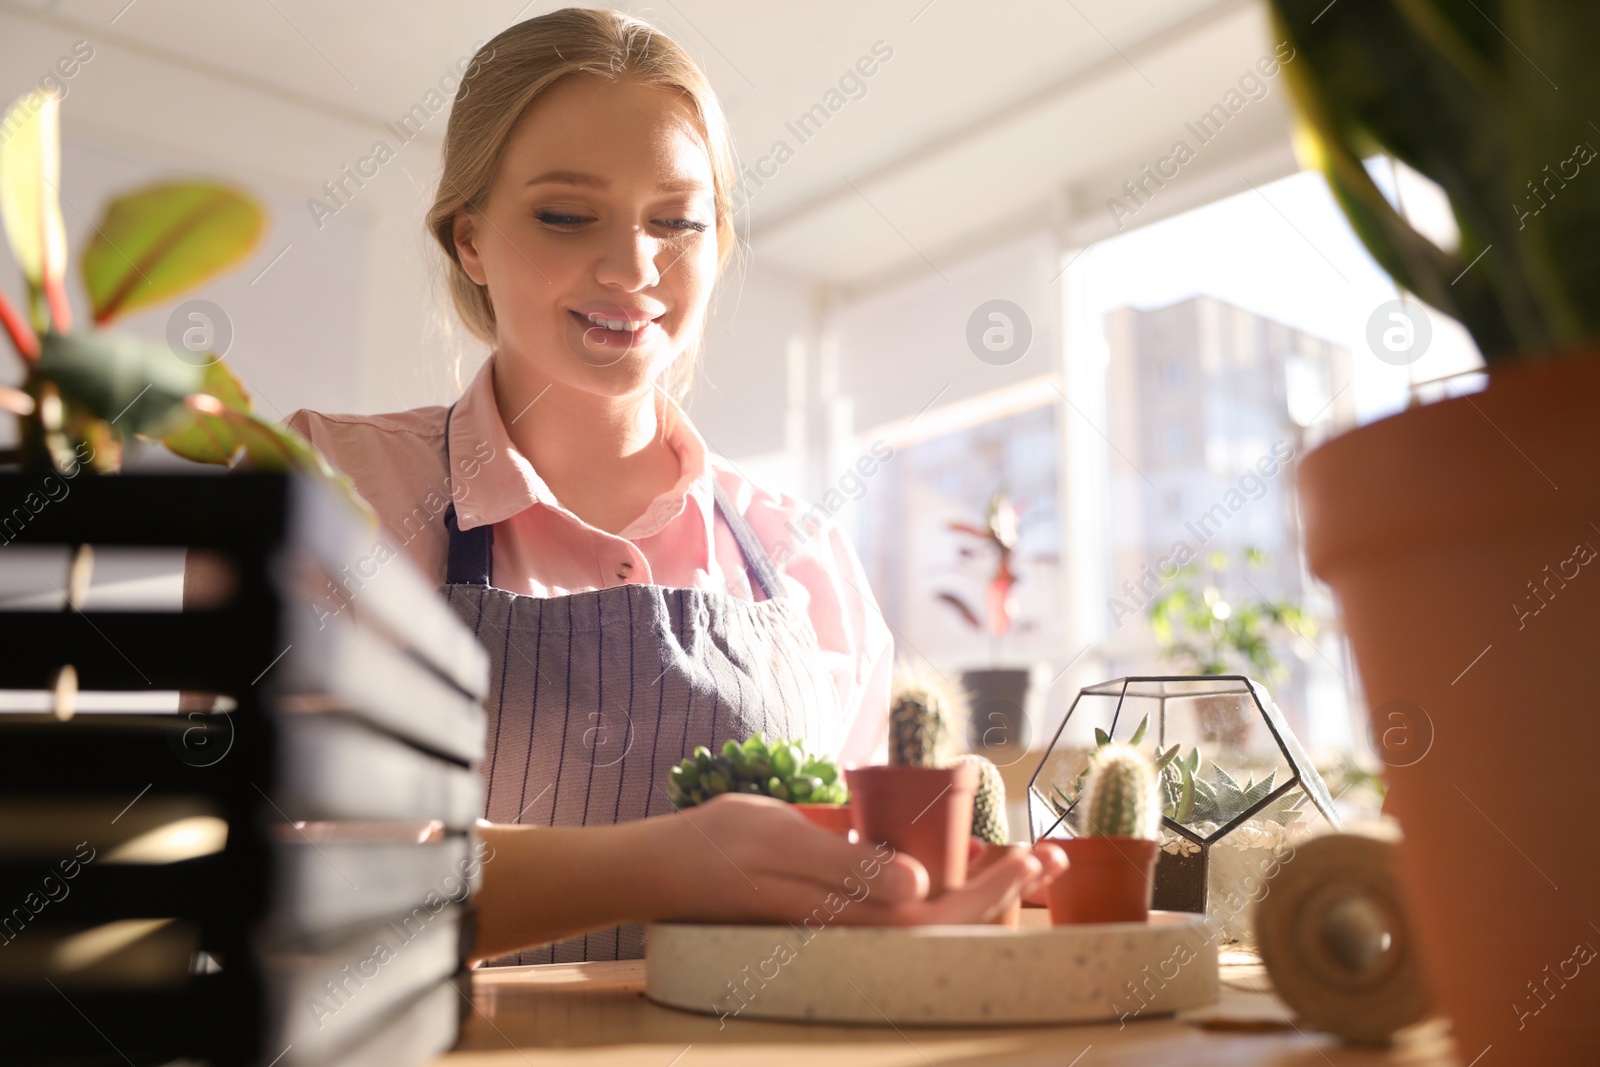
(734, 859)
(741, 858)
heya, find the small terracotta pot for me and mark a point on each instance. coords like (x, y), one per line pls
(837, 818)
(991, 855)
(1107, 880)
(925, 812)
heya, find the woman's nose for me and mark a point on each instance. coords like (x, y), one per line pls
(629, 260)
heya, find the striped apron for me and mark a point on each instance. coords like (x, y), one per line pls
(593, 697)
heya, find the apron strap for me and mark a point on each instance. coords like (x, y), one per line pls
(756, 561)
(470, 558)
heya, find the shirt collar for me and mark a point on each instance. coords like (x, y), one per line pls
(492, 481)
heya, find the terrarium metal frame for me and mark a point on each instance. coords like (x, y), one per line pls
(1186, 890)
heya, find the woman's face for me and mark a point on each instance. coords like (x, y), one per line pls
(597, 239)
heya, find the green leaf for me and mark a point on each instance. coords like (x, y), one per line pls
(785, 760)
(213, 438)
(166, 239)
(137, 387)
(30, 206)
(1138, 735)
(1101, 738)
(1255, 793)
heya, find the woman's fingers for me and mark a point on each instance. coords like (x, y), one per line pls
(741, 858)
(1054, 860)
(984, 895)
(761, 835)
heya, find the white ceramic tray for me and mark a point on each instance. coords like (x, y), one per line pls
(935, 975)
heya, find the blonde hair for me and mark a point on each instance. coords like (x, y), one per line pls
(509, 73)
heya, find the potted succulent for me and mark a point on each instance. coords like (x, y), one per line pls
(1110, 874)
(1191, 875)
(991, 827)
(998, 696)
(781, 769)
(1456, 535)
(928, 801)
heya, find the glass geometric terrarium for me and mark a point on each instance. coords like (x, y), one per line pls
(1238, 790)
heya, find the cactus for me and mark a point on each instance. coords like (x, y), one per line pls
(1186, 797)
(781, 769)
(922, 718)
(989, 803)
(1122, 798)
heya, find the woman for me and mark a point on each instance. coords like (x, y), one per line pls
(620, 575)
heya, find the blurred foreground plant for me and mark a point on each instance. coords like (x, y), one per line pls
(85, 391)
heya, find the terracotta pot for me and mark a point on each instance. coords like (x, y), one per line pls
(835, 817)
(1107, 880)
(925, 812)
(1455, 536)
(990, 855)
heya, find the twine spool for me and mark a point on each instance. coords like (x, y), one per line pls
(1333, 933)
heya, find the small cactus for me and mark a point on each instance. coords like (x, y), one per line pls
(989, 822)
(1122, 797)
(922, 718)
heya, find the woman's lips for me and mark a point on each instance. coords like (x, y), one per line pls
(597, 334)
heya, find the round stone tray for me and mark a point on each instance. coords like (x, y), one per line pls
(935, 975)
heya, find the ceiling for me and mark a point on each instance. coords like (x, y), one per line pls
(987, 117)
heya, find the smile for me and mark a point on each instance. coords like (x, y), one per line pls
(617, 326)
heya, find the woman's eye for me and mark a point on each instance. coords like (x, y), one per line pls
(684, 225)
(553, 218)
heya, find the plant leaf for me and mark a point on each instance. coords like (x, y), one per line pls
(1138, 735)
(30, 206)
(159, 241)
(207, 438)
(138, 387)
(1101, 738)
(961, 606)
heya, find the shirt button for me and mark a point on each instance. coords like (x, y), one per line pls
(624, 569)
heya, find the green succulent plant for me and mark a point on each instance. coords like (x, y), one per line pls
(1190, 799)
(1121, 798)
(1187, 797)
(781, 769)
(1493, 100)
(989, 822)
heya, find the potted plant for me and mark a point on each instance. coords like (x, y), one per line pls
(927, 801)
(1209, 634)
(85, 397)
(1110, 874)
(991, 827)
(1203, 632)
(1457, 535)
(998, 696)
(780, 769)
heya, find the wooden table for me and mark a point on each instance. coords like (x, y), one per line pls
(596, 1013)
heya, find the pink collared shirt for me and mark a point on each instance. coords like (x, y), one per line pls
(397, 462)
